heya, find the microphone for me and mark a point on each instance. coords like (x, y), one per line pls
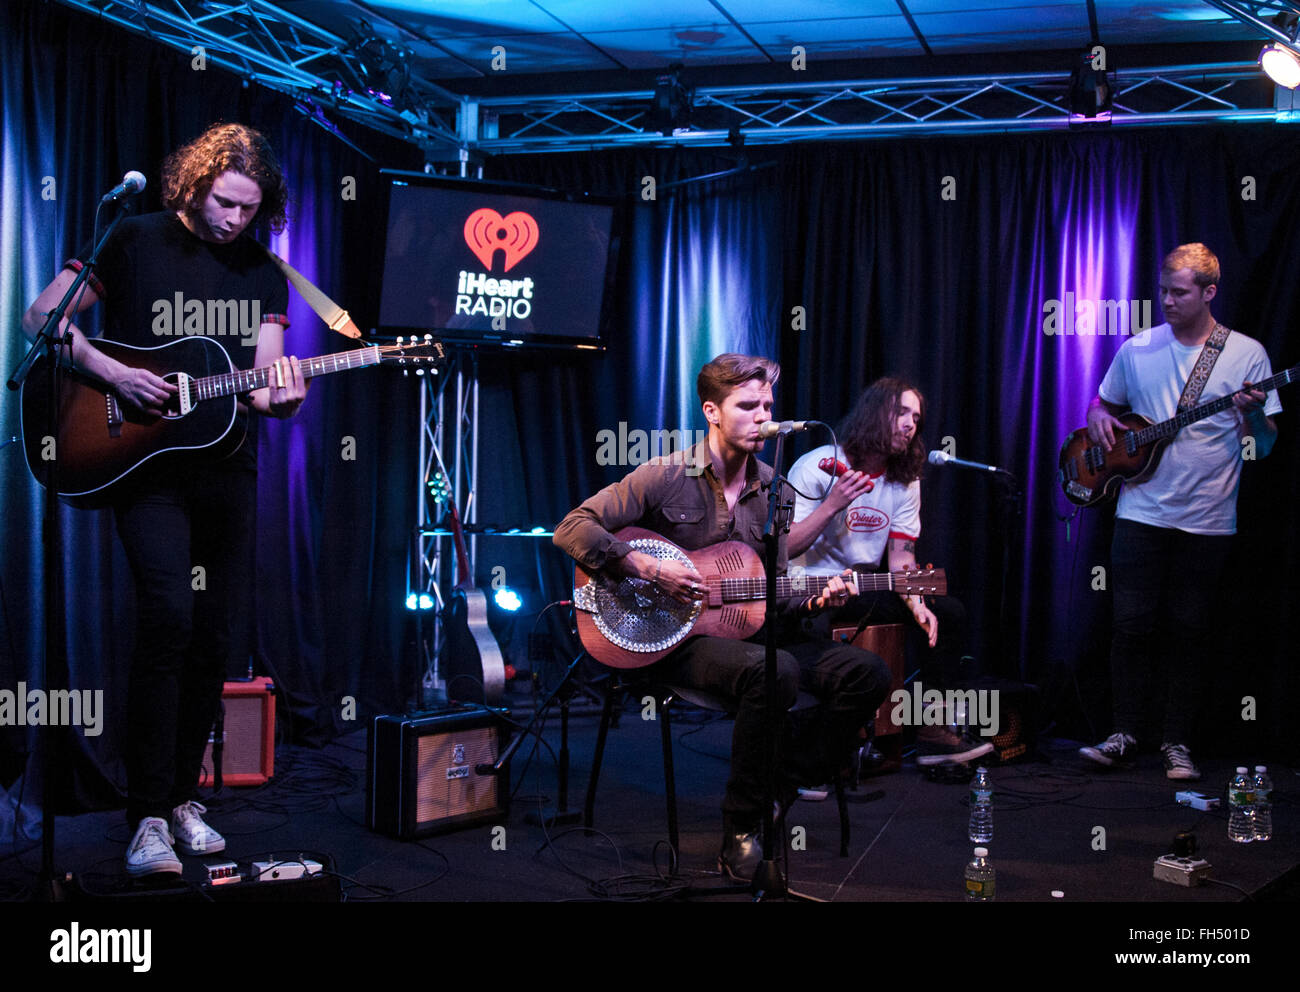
(943, 458)
(774, 427)
(131, 184)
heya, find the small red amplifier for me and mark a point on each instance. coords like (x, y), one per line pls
(248, 757)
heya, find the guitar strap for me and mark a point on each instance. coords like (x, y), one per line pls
(1210, 353)
(335, 317)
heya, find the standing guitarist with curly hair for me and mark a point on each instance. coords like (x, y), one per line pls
(188, 257)
(1174, 529)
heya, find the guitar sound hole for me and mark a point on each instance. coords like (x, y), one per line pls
(172, 408)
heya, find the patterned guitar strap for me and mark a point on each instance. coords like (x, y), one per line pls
(1204, 366)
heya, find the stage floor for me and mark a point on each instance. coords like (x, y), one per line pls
(1059, 826)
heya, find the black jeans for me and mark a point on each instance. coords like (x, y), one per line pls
(851, 684)
(941, 666)
(1167, 591)
(188, 535)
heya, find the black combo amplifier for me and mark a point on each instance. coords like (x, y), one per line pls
(421, 775)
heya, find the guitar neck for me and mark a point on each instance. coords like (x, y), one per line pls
(807, 583)
(245, 381)
(1170, 427)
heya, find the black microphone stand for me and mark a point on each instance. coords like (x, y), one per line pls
(768, 882)
(49, 343)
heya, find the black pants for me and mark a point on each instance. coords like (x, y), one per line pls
(941, 666)
(1167, 592)
(850, 682)
(188, 535)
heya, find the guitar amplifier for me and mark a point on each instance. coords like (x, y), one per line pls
(248, 755)
(420, 776)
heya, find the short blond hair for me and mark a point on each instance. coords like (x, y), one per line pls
(1195, 256)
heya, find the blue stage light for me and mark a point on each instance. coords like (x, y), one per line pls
(508, 599)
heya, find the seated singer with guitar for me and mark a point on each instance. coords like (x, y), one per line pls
(714, 492)
(174, 520)
(1174, 528)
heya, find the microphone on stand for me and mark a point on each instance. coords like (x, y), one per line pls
(774, 427)
(132, 183)
(943, 458)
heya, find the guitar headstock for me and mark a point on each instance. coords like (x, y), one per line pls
(414, 353)
(928, 581)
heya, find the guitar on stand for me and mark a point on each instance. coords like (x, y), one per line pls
(470, 656)
(1089, 474)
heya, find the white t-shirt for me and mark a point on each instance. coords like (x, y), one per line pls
(858, 534)
(1195, 486)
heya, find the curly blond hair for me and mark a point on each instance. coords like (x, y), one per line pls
(189, 172)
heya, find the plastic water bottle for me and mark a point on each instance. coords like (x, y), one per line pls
(1241, 800)
(981, 879)
(981, 807)
(1263, 804)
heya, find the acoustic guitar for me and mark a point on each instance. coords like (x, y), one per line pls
(470, 663)
(625, 622)
(103, 439)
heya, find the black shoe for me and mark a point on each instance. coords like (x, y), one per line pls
(741, 854)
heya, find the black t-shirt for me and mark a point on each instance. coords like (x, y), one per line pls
(159, 282)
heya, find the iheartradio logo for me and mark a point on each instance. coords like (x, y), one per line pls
(866, 521)
(486, 231)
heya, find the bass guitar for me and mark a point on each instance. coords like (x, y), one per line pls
(103, 439)
(1089, 474)
(625, 622)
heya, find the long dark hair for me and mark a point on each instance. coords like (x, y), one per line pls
(868, 430)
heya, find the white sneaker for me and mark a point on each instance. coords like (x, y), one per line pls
(151, 849)
(193, 836)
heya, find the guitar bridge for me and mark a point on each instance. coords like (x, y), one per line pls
(114, 415)
(1078, 491)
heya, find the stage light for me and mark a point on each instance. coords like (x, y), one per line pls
(1281, 64)
(508, 599)
(1091, 95)
(423, 601)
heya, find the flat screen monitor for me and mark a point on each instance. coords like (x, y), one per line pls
(493, 265)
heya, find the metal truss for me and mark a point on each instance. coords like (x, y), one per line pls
(436, 482)
(1253, 15)
(790, 112)
(265, 44)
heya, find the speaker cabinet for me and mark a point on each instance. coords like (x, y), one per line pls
(888, 640)
(248, 755)
(420, 776)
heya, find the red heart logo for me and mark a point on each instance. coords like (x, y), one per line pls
(486, 230)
